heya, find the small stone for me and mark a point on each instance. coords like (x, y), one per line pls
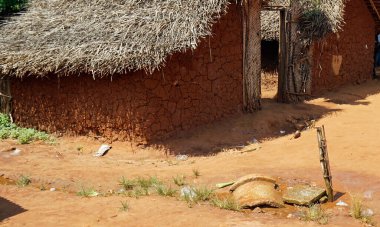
(367, 213)
(182, 157)
(187, 191)
(255, 141)
(52, 189)
(297, 135)
(290, 216)
(341, 203)
(303, 195)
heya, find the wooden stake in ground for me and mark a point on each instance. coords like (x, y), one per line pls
(324, 158)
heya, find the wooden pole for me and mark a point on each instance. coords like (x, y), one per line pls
(5, 95)
(251, 55)
(282, 90)
(325, 163)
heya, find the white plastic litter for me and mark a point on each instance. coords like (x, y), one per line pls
(182, 157)
(367, 213)
(52, 189)
(102, 150)
(16, 152)
(282, 132)
(342, 204)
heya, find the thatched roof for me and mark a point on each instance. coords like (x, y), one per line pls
(102, 37)
(270, 25)
(322, 17)
(270, 20)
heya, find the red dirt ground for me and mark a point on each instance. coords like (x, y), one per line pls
(350, 116)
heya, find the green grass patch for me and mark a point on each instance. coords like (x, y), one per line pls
(11, 6)
(9, 130)
(163, 190)
(203, 194)
(127, 184)
(87, 192)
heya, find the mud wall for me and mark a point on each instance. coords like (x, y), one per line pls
(194, 88)
(346, 57)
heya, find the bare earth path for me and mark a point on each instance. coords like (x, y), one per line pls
(350, 115)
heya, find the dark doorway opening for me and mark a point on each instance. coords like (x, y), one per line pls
(269, 55)
(269, 68)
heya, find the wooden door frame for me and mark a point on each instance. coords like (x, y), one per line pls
(282, 53)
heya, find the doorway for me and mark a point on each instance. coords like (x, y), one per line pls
(274, 52)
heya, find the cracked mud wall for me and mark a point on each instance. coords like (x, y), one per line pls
(194, 88)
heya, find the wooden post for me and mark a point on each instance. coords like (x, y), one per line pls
(282, 90)
(5, 95)
(325, 163)
(251, 55)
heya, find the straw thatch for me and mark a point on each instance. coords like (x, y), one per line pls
(270, 20)
(316, 19)
(102, 37)
(270, 25)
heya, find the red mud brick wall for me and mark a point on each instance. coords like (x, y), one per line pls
(355, 43)
(193, 89)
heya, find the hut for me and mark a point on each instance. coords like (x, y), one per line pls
(144, 70)
(343, 56)
(125, 70)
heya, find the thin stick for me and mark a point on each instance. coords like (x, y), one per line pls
(325, 163)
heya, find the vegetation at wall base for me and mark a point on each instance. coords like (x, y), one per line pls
(11, 6)
(9, 130)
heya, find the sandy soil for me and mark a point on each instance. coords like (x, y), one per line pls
(350, 116)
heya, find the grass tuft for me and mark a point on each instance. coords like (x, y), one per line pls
(127, 184)
(87, 192)
(166, 191)
(23, 181)
(179, 180)
(9, 130)
(226, 204)
(203, 194)
(124, 206)
(196, 173)
(315, 213)
(356, 210)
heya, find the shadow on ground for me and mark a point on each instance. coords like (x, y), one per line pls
(353, 94)
(242, 129)
(9, 209)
